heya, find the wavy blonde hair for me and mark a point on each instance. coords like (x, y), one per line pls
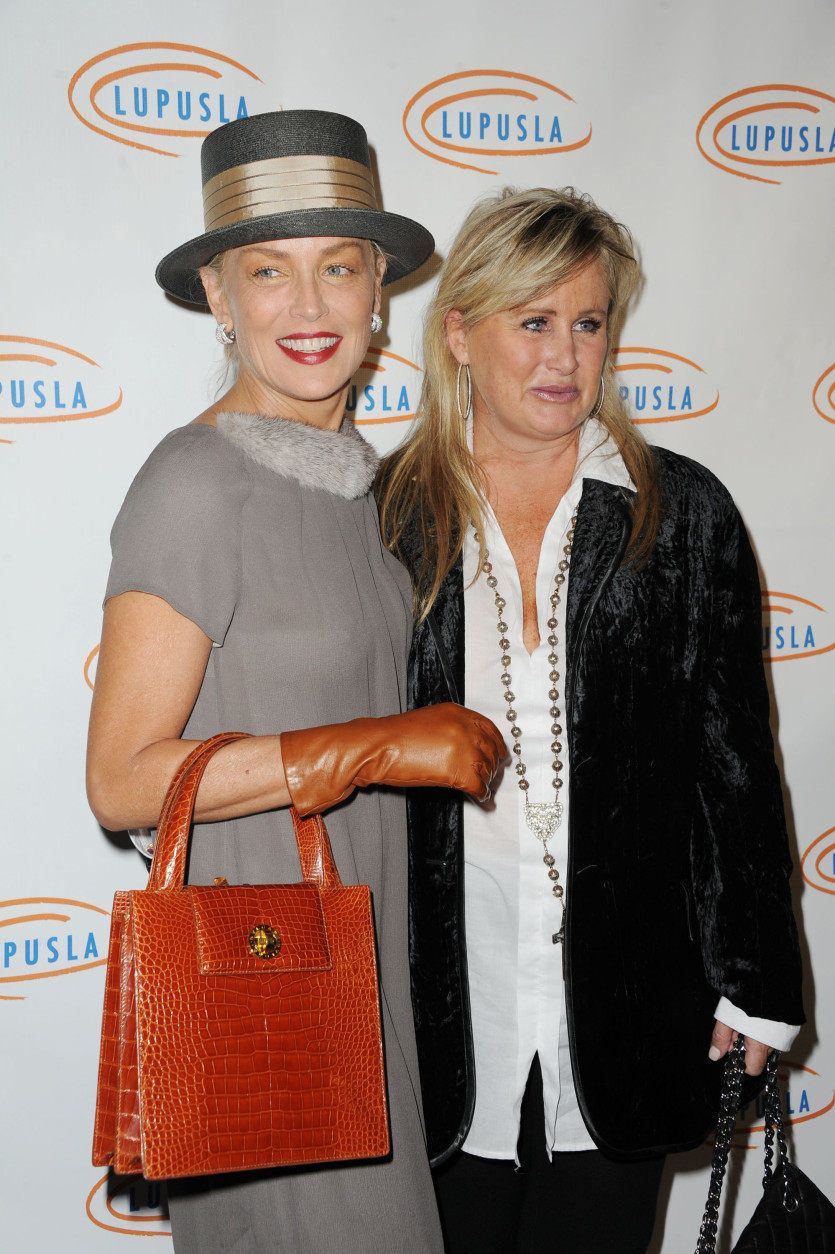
(512, 249)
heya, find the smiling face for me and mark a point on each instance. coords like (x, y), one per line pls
(301, 311)
(536, 369)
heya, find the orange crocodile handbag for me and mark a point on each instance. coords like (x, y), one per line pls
(241, 1024)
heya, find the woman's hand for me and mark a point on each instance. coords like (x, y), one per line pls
(755, 1052)
(440, 746)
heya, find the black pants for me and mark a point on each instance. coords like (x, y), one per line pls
(579, 1203)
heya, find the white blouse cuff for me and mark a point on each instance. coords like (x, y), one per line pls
(769, 1031)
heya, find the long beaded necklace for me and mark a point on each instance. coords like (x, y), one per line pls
(542, 817)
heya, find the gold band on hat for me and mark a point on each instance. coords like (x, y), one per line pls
(283, 184)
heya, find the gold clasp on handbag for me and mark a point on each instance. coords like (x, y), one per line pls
(264, 941)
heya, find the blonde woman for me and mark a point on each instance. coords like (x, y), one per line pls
(585, 947)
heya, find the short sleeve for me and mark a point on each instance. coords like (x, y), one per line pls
(177, 535)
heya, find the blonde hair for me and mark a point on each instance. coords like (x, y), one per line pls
(512, 249)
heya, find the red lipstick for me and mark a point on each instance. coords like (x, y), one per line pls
(309, 350)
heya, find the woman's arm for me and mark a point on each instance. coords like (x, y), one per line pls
(740, 855)
(151, 665)
(150, 668)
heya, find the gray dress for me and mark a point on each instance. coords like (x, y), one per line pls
(261, 531)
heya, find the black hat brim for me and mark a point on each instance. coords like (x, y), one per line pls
(406, 244)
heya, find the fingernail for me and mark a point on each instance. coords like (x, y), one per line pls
(713, 1054)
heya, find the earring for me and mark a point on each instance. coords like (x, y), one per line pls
(223, 336)
(464, 413)
(376, 323)
(599, 404)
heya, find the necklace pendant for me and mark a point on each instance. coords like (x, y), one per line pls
(543, 818)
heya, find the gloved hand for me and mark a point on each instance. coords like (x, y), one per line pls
(440, 746)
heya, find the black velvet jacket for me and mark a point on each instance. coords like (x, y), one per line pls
(677, 885)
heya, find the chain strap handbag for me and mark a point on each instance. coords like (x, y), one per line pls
(793, 1216)
(241, 1024)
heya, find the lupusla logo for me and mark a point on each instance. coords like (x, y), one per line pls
(823, 397)
(817, 865)
(133, 1207)
(41, 381)
(772, 127)
(493, 113)
(385, 389)
(160, 96)
(805, 1095)
(659, 386)
(46, 936)
(794, 628)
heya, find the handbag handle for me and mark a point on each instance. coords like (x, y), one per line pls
(171, 844)
(728, 1106)
(774, 1127)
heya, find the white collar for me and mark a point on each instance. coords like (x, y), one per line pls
(598, 456)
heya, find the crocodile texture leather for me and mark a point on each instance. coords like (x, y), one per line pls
(214, 1059)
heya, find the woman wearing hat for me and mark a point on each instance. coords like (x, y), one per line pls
(249, 591)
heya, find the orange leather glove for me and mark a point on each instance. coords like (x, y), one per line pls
(439, 746)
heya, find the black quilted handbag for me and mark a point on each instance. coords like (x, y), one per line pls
(793, 1216)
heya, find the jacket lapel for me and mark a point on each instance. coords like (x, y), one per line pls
(601, 535)
(436, 671)
(446, 624)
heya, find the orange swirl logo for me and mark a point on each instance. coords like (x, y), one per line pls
(133, 1207)
(159, 96)
(805, 1095)
(490, 114)
(45, 382)
(772, 127)
(90, 666)
(823, 397)
(45, 936)
(658, 386)
(794, 628)
(384, 390)
(817, 865)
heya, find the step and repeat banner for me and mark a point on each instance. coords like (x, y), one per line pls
(709, 129)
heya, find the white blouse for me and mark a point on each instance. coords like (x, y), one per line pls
(515, 970)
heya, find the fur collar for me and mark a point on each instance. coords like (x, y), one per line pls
(340, 462)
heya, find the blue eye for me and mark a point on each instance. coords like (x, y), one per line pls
(535, 324)
(588, 324)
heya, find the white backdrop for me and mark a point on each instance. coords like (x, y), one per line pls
(707, 129)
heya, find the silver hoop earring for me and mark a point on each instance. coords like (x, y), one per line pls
(376, 323)
(223, 336)
(599, 404)
(464, 413)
